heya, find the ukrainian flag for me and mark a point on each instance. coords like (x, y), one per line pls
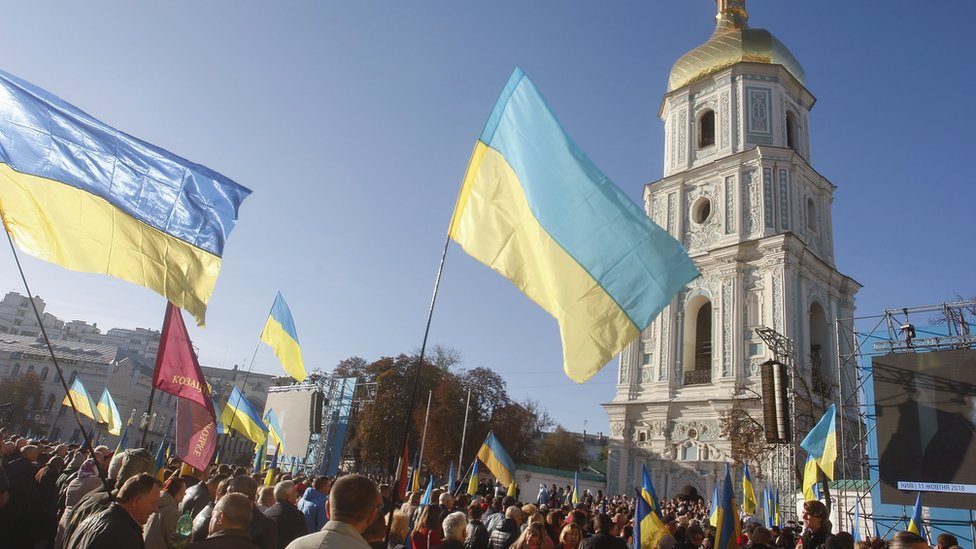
(647, 491)
(748, 492)
(90, 198)
(473, 481)
(269, 479)
(576, 492)
(496, 459)
(713, 518)
(83, 402)
(534, 208)
(915, 524)
(279, 333)
(110, 412)
(821, 447)
(240, 416)
(728, 529)
(649, 529)
(274, 429)
(120, 447)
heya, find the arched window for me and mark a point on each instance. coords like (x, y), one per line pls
(16, 371)
(50, 402)
(71, 378)
(44, 374)
(706, 129)
(791, 141)
(30, 369)
(697, 355)
(811, 215)
(821, 379)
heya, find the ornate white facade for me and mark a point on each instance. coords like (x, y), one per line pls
(740, 194)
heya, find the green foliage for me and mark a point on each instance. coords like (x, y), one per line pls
(561, 449)
(24, 395)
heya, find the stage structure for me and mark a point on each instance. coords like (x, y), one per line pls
(915, 391)
(315, 418)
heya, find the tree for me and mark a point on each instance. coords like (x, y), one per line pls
(560, 449)
(519, 428)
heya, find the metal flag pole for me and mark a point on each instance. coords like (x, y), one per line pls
(416, 376)
(423, 437)
(102, 474)
(464, 431)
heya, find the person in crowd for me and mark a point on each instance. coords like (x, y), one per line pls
(398, 530)
(201, 522)
(906, 540)
(494, 519)
(455, 530)
(289, 520)
(375, 534)
(354, 502)
(47, 490)
(533, 537)
(265, 497)
(505, 534)
(945, 541)
(160, 531)
(817, 534)
(427, 528)
(228, 525)
(570, 536)
(121, 524)
(760, 538)
(263, 531)
(314, 503)
(476, 536)
(555, 521)
(601, 539)
(24, 500)
(199, 495)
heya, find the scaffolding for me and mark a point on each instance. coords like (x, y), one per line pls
(890, 332)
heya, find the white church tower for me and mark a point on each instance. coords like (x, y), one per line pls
(740, 193)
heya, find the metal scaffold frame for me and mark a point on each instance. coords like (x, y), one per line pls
(901, 338)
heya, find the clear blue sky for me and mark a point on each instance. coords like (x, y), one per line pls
(352, 122)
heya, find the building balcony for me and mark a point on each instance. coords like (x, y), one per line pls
(698, 377)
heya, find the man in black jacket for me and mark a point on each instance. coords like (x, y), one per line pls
(602, 538)
(477, 535)
(817, 534)
(263, 531)
(231, 516)
(289, 520)
(455, 529)
(121, 524)
(508, 531)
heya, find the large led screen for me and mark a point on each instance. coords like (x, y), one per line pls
(294, 412)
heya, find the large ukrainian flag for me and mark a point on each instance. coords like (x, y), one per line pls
(240, 416)
(110, 413)
(77, 192)
(497, 460)
(279, 332)
(534, 208)
(821, 447)
(83, 402)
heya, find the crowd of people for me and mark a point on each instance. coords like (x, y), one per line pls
(58, 496)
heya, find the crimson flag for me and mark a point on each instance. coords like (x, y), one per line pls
(178, 373)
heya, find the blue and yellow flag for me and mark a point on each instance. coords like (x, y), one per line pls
(82, 400)
(425, 499)
(473, 481)
(269, 479)
(576, 492)
(821, 443)
(450, 479)
(221, 430)
(810, 479)
(260, 452)
(240, 416)
(649, 529)
(110, 412)
(280, 334)
(713, 518)
(275, 435)
(915, 524)
(748, 492)
(123, 440)
(90, 198)
(496, 459)
(535, 208)
(856, 530)
(159, 465)
(728, 529)
(647, 491)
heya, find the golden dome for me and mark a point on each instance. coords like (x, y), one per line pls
(732, 42)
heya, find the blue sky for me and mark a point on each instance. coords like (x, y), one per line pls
(352, 122)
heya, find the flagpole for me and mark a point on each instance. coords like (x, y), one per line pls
(102, 474)
(464, 431)
(423, 437)
(247, 374)
(152, 395)
(467, 475)
(416, 375)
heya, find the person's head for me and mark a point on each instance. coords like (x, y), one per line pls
(907, 540)
(176, 487)
(945, 541)
(759, 536)
(354, 500)
(128, 464)
(244, 484)
(814, 514)
(285, 491)
(455, 526)
(475, 512)
(376, 531)
(265, 496)
(399, 526)
(863, 544)
(428, 518)
(139, 496)
(571, 536)
(321, 483)
(30, 452)
(212, 484)
(514, 513)
(602, 523)
(446, 500)
(231, 511)
(531, 536)
(696, 535)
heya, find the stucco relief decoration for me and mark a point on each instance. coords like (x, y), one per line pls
(768, 196)
(662, 372)
(730, 204)
(658, 428)
(672, 198)
(750, 199)
(682, 132)
(777, 302)
(616, 428)
(702, 236)
(703, 285)
(724, 119)
(727, 308)
(784, 205)
(647, 373)
(613, 471)
(674, 146)
(758, 115)
(754, 366)
(657, 211)
(624, 370)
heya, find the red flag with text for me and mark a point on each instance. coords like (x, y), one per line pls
(178, 373)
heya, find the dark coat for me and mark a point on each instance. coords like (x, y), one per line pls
(264, 531)
(477, 536)
(196, 498)
(450, 544)
(603, 541)
(289, 520)
(821, 538)
(505, 535)
(111, 528)
(232, 538)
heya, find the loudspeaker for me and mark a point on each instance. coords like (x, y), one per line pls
(315, 414)
(775, 402)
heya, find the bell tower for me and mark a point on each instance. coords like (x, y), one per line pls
(740, 193)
